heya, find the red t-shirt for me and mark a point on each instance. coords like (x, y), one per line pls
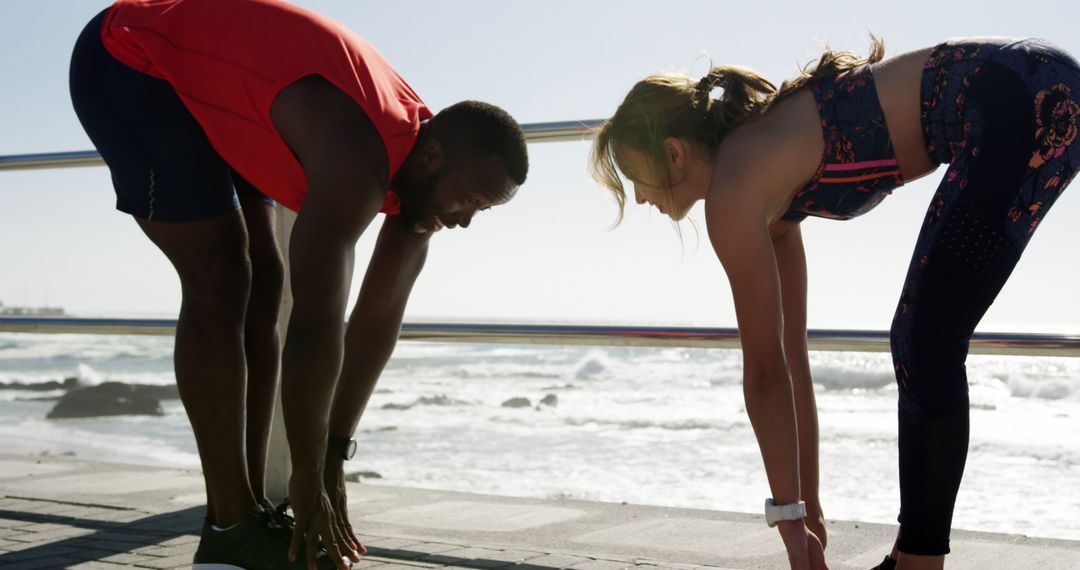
(228, 60)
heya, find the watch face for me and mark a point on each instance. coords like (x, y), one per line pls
(350, 449)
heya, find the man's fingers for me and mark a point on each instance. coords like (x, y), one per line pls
(311, 547)
(359, 547)
(347, 538)
(297, 536)
(335, 546)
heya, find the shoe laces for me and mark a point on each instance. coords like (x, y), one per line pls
(280, 516)
(275, 522)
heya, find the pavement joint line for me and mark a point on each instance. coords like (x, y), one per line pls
(70, 503)
(76, 522)
(404, 543)
(448, 559)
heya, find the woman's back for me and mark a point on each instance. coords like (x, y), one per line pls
(783, 152)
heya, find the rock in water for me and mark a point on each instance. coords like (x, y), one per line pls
(517, 403)
(359, 476)
(438, 400)
(67, 384)
(108, 399)
(549, 400)
(163, 392)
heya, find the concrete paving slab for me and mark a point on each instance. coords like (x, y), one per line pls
(477, 516)
(977, 554)
(694, 535)
(115, 484)
(95, 515)
(19, 468)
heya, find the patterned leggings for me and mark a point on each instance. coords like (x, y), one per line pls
(1004, 116)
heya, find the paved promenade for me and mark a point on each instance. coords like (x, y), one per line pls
(66, 513)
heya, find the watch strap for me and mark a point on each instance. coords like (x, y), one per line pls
(342, 445)
(774, 513)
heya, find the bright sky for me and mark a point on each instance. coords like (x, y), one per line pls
(549, 254)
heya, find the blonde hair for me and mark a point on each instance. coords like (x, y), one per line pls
(667, 105)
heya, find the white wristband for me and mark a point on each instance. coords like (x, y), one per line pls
(790, 512)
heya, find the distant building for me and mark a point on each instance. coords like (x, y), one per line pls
(30, 311)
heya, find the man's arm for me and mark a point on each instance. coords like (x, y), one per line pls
(369, 341)
(344, 162)
(334, 142)
(376, 320)
(312, 357)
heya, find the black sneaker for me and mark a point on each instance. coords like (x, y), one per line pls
(255, 543)
(888, 564)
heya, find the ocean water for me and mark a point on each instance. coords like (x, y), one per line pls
(646, 426)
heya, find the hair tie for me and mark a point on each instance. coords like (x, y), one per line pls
(704, 88)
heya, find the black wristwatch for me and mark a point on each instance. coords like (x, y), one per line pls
(344, 446)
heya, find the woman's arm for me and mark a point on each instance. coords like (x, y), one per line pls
(740, 236)
(745, 248)
(791, 264)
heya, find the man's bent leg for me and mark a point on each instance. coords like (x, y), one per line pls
(211, 259)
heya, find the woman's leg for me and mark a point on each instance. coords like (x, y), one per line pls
(971, 240)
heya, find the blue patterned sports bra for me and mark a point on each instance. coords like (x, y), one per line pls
(859, 167)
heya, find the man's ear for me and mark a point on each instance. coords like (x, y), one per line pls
(434, 155)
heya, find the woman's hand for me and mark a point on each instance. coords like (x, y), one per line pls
(334, 482)
(815, 523)
(315, 522)
(804, 549)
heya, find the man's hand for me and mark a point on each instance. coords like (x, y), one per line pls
(334, 483)
(803, 547)
(315, 523)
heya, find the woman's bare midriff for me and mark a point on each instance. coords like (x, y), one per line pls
(898, 82)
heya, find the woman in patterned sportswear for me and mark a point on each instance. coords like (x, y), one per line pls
(833, 142)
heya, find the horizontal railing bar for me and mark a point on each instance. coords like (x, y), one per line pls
(51, 160)
(818, 339)
(72, 325)
(561, 131)
(534, 132)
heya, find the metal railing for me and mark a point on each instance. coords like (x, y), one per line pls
(607, 335)
(534, 132)
(843, 340)
(51, 160)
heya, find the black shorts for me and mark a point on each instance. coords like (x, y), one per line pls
(163, 166)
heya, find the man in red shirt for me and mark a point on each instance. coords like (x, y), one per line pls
(207, 111)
